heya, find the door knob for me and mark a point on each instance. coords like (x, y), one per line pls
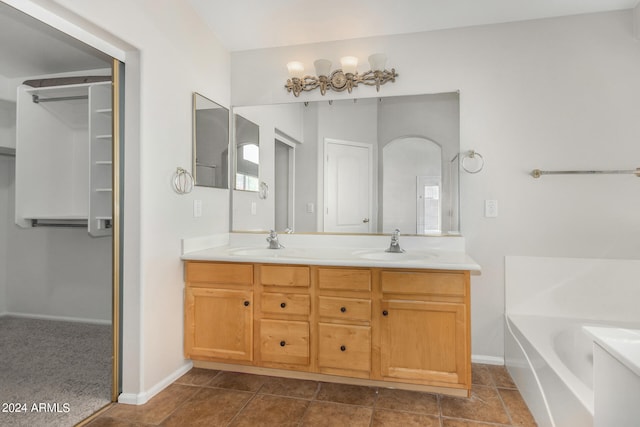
(365, 220)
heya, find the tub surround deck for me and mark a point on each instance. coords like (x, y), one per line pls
(554, 309)
(622, 344)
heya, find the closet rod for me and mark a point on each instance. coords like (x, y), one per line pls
(537, 173)
(45, 223)
(36, 98)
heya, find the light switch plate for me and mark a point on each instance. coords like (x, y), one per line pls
(197, 208)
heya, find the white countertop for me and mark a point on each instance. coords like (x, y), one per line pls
(427, 255)
(623, 344)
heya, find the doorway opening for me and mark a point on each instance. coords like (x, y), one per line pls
(60, 222)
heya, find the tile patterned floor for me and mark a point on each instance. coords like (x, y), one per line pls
(213, 398)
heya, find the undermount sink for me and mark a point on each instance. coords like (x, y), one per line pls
(381, 255)
(263, 252)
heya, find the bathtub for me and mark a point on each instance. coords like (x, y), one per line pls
(548, 301)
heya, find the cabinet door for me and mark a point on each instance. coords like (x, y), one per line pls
(219, 323)
(424, 342)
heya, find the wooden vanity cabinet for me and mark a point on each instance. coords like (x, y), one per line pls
(424, 327)
(344, 321)
(409, 327)
(282, 323)
(219, 311)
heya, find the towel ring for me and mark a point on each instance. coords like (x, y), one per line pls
(182, 181)
(472, 154)
(263, 192)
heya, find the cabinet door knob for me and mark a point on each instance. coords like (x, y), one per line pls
(343, 348)
(246, 303)
(283, 304)
(385, 312)
(343, 309)
(282, 343)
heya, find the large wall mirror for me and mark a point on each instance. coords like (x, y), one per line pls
(210, 143)
(356, 166)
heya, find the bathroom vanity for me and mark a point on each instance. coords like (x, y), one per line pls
(342, 315)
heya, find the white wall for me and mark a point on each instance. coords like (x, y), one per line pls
(553, 94)
(174, 55)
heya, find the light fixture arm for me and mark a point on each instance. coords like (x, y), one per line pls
(339, 81)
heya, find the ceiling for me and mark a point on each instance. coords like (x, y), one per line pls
(256, 24)
(30, 48)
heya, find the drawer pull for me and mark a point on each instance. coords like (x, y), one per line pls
(282, 343)
(246, 303)
(283, 304)
(385, 313)
(343, 309)
(343, 348)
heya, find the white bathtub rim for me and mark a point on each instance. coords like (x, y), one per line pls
(532, 370)
(580, 390)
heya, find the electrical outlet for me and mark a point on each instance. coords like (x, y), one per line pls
(254, 208)
(197, 208)
(490, 208)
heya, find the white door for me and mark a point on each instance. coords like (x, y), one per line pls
(348, 186)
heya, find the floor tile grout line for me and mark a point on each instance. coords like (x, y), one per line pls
(374, 405)
(243, 406)
(313, 399)
(504, 405)
(489, 423)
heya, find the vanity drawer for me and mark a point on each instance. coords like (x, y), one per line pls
(284, 341)
(344, 347)
(344, 308)
(273, 303)
(428, 283)
(219, 273)
(344, 279)
(284, 275)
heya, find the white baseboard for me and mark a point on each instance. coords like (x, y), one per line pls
(56, 318)
(144, 397)
(487, 360)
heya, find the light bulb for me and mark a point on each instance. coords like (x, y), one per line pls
(349, 64)
(296, 69)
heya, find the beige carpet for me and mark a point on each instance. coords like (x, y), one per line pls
(58, 372)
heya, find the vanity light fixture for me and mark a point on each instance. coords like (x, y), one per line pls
(344, 78)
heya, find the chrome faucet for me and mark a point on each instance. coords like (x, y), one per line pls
(395, 243)
(273, 240)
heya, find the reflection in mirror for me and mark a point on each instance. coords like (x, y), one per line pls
(247, 140)
(210, 143)
(369, 166)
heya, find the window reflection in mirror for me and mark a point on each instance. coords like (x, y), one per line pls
(247, 140)
(210, 143)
